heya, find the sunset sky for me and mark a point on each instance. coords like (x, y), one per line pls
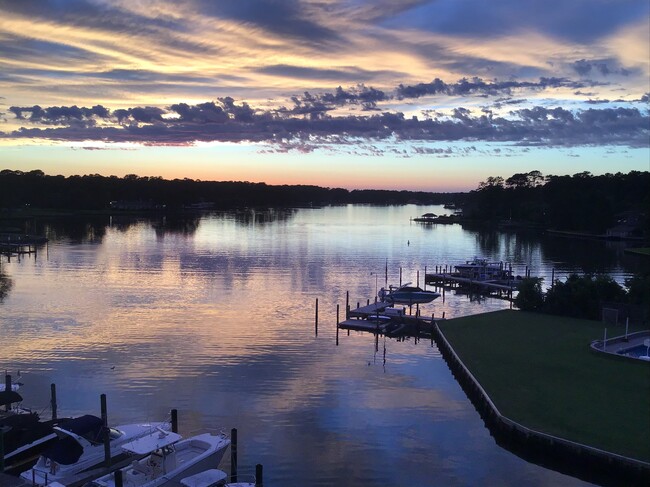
(432, 95)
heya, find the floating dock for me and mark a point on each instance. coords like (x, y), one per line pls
(383, 318)
(454, 279)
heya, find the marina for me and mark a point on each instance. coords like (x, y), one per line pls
(85, 452)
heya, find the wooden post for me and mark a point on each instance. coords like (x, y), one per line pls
(400, 276)
(347, 304)
(107, 437)
(552, 277)
(174, 420)
(233, 455)
(8, 389)
(118, 478)
(53, 400)
(417, 278)
(259, 475)
(316, 319)
(425, 278)
(2, 449)
(337, 316)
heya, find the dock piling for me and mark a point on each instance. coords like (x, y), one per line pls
(233, 455)
(118, 478)
(7, 388)
(53, 400)
(107, 438)
(259, 475)
(347, 305)
(174, 414)
(2, 449)
(316, 319)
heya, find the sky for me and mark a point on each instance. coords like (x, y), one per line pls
(426, 95)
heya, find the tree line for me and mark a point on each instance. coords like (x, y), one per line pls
(586, 296)
(95, 192)
(581, 202)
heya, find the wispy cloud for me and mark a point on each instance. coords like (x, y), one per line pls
(299, 74)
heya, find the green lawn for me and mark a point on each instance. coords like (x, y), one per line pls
(539, 371)
(639, 251)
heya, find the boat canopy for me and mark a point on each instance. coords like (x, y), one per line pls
(9, 397)
(88, 426)
(67, 449)
(152, 442)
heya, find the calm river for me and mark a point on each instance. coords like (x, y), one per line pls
(214, 316)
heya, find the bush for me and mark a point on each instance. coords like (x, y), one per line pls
(530, 296)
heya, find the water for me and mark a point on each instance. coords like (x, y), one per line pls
(214, 316)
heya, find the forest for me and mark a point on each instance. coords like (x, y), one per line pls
(35, 189)
(582, 202)
(578, 203)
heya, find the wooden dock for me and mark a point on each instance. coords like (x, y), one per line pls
(17, 244)
(371, 309)
(453, 279)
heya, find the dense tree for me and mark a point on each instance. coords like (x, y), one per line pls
(581, 296)
(582, 202)
(95, 192)
(530, 296)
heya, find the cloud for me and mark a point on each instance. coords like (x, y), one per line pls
(603, 67)
(225, 120)
(478, 87)
(290, 18)
(581, 21)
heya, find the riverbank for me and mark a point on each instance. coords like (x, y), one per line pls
(538, 371)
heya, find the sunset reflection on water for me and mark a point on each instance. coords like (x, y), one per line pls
(215, 316)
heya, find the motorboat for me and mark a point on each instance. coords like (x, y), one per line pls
(164, 458)
(79, 447)
(480, 269)
(214, 478)
(14, 386)
(406, 294)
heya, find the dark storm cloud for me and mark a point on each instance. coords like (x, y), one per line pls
(288, 18)
(478, 87)
(226, 120)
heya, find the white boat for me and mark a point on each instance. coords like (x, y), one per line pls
(168, 460)
(80, 448)
(480, 269)
(407, 294)
(213, 478)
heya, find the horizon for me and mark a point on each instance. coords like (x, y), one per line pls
(425, 95)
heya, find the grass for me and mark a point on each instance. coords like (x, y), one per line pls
(639, 251)
(539, 371)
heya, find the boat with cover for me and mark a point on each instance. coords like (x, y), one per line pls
(406, 294)
(168, 460)
(79, 448)
(25, 436)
